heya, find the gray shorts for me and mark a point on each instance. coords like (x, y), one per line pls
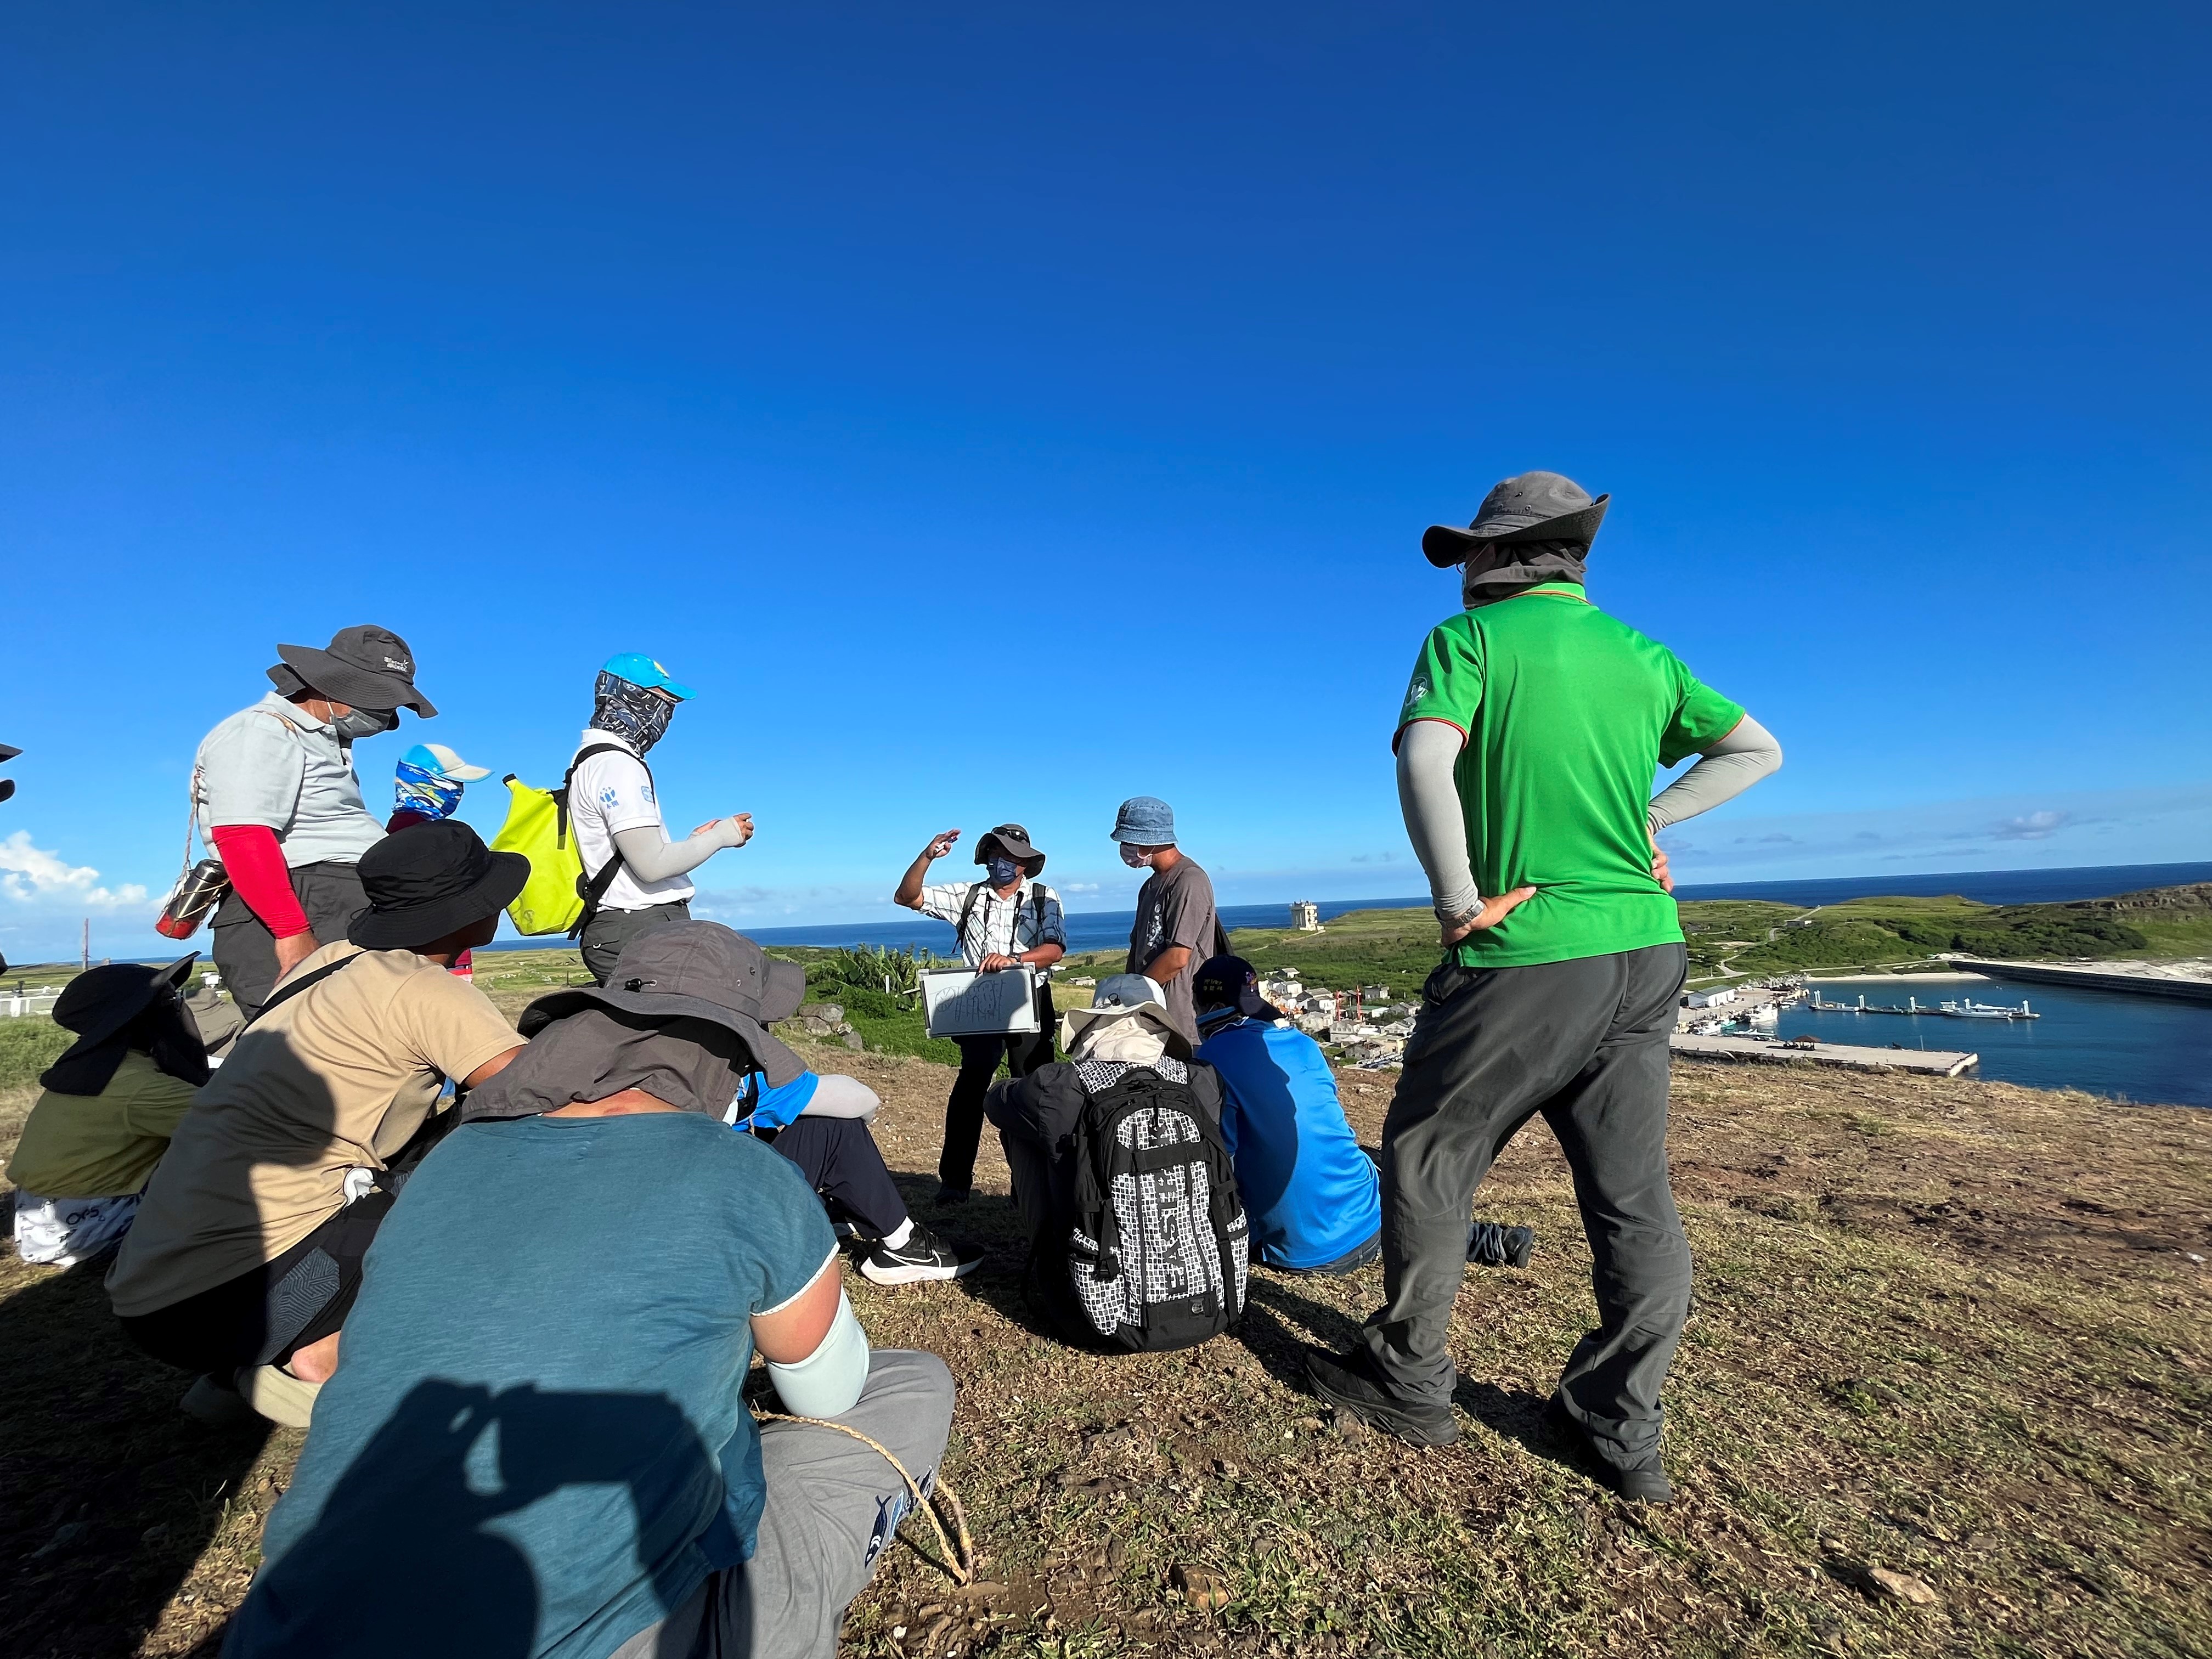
(833, 1504)
(609, 931)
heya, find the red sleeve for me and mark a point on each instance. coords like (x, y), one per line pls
(255, 864)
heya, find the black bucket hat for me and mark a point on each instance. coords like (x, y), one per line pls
(365, 667)
(1535, 507)
(1016, 841)
(101, 1001)
(1230, 983)
(428, 880)
(694, 971)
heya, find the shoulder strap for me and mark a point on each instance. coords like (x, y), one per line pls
(1220, 935)
(967, 910)
(285, 993)
(594, 889)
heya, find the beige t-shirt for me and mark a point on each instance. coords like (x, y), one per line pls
(337, 1077)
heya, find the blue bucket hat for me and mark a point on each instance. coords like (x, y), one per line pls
(1146, 821)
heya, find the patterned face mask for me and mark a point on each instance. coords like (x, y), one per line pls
(433, 794)
(630, 712)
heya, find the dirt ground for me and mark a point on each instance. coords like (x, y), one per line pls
(1944, 1392)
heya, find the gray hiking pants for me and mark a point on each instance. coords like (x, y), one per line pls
(244, 948)
(608, 931)
(833, 1504)
(1584, 1042)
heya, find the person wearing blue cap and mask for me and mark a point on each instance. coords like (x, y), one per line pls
(641, 876)
(426, 788)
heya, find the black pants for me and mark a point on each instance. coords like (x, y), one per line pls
(244, 948)
(964, 1111)
(608, 931)
(841, 1162)
(265, 1317)
(1584, 1043)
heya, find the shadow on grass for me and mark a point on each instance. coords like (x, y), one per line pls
(113, 1493)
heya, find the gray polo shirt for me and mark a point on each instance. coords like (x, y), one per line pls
(276, 764)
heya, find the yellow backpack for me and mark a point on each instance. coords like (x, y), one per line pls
(557, 898)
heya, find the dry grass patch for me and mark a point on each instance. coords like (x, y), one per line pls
(1946, 1332)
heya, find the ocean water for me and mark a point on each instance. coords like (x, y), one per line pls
(1102, 930)
(2144, 1049)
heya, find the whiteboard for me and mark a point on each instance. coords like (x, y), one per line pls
(966, 1002)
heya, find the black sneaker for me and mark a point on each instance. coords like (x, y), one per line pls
(1490, 1245)
(1348, 1382)
(924, 1256)
(946, 1195)
(1646, 1483)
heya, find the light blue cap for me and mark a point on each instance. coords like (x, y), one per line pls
(1146, 821)
(1127, 991)
(641, 670)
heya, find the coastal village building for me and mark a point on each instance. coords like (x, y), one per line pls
(1305, 916)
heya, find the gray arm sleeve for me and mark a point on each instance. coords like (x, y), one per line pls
(839, 1096)
(1724, 771)
(1435, 822)
(652, 856)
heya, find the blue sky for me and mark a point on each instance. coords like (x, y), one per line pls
(994, 412)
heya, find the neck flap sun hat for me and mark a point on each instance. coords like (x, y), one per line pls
(1534, 506)
(430, 880)
(1125, 996)
(364, 667)
(694, 971)
(1014, 839)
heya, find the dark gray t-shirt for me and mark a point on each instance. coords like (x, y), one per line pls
(1174, 907)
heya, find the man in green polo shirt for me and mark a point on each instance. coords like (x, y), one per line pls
(1528, 744)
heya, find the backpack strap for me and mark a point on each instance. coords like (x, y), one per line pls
(967, 910)
(1221, 936)
(287, 993)
(592, 888)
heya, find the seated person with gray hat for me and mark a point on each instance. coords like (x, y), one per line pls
(246, 1251)
(276, 795)
(110, 1104)
(587, 1266)
(999, 924)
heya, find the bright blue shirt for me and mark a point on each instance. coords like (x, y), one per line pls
(1310, 1195)
(535, 1445)
(761, 1105)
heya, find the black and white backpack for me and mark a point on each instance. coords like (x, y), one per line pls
(1159, 1247)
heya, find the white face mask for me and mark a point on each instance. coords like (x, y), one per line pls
(1135, 860)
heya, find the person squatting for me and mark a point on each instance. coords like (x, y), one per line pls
(649, 1186)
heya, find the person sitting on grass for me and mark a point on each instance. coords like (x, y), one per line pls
(111, 1102)
(538, 1444)
(246, 1251)
(819, 1123)
(1314, 1197)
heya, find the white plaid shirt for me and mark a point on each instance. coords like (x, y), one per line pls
(996, 927)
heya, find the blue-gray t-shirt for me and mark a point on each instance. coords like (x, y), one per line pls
(534, 1444)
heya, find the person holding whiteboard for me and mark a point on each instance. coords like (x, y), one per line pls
(1006, 921)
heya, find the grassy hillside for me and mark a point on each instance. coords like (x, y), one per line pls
(1945, 1329)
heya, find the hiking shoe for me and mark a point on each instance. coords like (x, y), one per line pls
(215, 1404)
(953, 1194)
(1646, 1483)
(1490, 1245)
(1348, 1382)
(924, 1256)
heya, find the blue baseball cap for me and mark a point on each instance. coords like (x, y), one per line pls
(641, 670)
(1145, 821)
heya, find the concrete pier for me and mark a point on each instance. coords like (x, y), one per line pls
(1928, 1062)
(2189, 981)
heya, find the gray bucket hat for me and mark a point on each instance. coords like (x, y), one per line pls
(1145, 821)
(1535, 507)
(694, 971)
(365, 667)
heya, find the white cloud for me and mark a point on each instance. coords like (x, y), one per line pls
(31, 875)
(1080, 887)
(2033, 826)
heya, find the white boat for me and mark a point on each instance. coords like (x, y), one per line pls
(1970, 1010)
